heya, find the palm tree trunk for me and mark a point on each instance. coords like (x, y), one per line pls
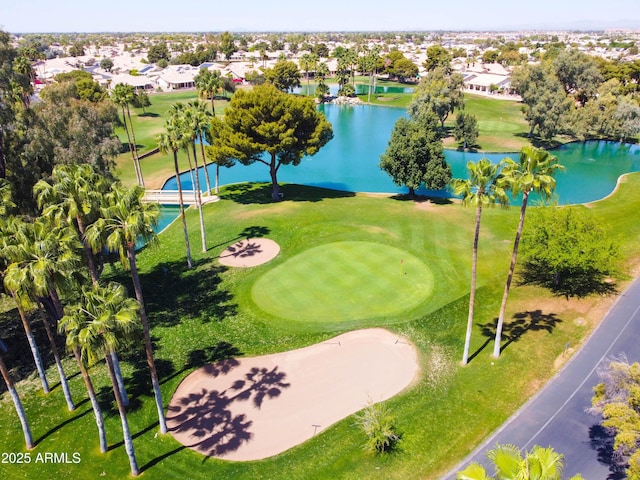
(512, 267)
(203, 235)
(136, 166)
(119, 379)
(137, 286)
(128, 441)
(181, 201)
(97, 411)
(135, 150)
(56, 356)
(32, 344)
(204, 164)
(28, 440)
(87, 252)
(472, 295)
(213, 108)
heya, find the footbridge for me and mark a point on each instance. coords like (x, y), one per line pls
(171, 197)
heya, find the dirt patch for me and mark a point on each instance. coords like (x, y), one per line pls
(249, 253)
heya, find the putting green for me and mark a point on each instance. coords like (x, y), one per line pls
(344, 281)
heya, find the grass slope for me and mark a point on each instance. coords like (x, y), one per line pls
(205, 314)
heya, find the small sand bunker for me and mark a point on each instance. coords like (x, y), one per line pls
(249, 252)
(253, 408)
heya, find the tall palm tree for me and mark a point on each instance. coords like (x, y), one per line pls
(481, 189)
(14, 285)
(74, 197)
(28, 439)
(173, 140)
(126, 219)
(533, 173)
(208, 84)
(124, 95)
(195, 120)
(201, 123)
(538, 464)
(307, 62)
(102, 320)
(44, 259)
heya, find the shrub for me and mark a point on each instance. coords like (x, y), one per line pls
(377, 422)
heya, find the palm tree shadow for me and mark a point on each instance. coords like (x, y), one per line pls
(518, 326)
(207, 417)
(61, 425)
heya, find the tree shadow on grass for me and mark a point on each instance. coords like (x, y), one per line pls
(207, 417)
(254, 231)
(61, 425)
(260, 193)
(602, 440)
(521, 323)
(173, 292)
(422, 199)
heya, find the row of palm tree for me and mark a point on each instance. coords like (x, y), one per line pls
(81, 217)
(489, 184)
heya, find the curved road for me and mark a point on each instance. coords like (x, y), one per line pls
(556, 416)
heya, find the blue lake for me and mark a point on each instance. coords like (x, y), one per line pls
(349, 162)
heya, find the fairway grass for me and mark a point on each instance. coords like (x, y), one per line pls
(344, 281)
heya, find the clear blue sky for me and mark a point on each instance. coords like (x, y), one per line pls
(311, 15)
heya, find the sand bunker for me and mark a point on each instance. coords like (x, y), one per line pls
(253, 408)
(249, 252)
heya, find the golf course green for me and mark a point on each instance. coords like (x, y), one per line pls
(349, 281)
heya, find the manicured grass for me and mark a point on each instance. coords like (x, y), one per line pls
(208, 313)
(340, 282)
(148, 125)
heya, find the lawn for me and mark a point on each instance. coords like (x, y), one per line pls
(210, 313)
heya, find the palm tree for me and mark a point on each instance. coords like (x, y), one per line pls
(538, 464)
(74, 197)
(533, 173)
(201, 122)
(126, 219)
(480, 189)
(123, 96)
(193, 120)
(44, 258)
(28, 440)
(172, 140)
(102, 320)
(208, 83)
(307, 62)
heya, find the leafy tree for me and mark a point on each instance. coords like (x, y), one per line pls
(404, 69)
(321, 50)
(578, 73)
(76, 50)
(438, 56)
(544, 96)
(627, 115)
(466, 130)
(532, 173)
(141, 100)
(98, 324)
(227, 44)
(440, 93)
(265, 120)
(617, 399)
(415, 155)
(482, 188)
(284, 75)
(157, 52)
(568, 251)
(538, 464)
(106, 64)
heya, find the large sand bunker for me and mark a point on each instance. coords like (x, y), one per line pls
(253, 408)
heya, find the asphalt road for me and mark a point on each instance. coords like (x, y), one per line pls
(556, 416)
